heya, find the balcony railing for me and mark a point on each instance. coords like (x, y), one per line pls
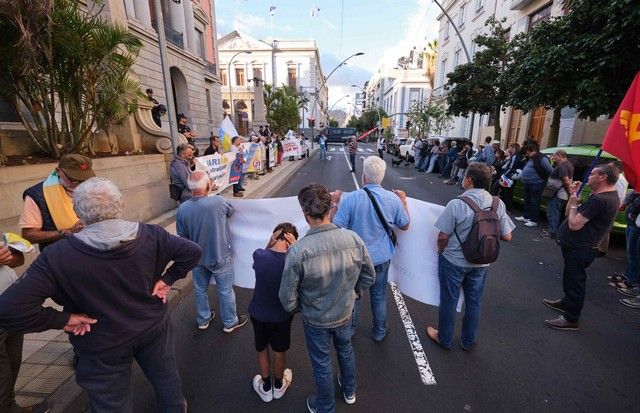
(173, 36)
(210, 67)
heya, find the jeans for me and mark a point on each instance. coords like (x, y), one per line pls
(472, 280)
(378, 303)
(574, 280)
(632, 269)
(10, 361)
(380, 152)
(323, 151)
(555, 212)
(107, 380)
(319, 347)
(352, 160)
(447, 169)
(422, 165)
(237, 187)
(532, 197)
(222, 272)
(432, 163)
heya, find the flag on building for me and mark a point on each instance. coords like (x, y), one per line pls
(226, 132)
(315, 10)
(623, 136)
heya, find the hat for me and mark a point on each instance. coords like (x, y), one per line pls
(77, 167)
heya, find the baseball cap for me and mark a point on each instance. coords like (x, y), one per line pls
(77, 167)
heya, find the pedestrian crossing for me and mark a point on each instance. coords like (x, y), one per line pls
(359, 150)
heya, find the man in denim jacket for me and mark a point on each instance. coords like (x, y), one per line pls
(324, 273)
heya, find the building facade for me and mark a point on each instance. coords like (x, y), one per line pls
(295, 63)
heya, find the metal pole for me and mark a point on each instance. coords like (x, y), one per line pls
(466, 52)
(588, 172)
(166, 77)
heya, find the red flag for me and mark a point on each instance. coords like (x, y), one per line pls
(623, 136)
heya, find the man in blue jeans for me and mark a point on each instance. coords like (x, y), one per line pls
(205, 221)
(356, 212)
(454, 270)
(534, 177)
(324, 273)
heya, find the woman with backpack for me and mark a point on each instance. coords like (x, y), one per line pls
(534, 177)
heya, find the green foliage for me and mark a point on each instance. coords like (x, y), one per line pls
(283, 104)
(67, 69)
(428, 117)
(367, 120)
(333, 123)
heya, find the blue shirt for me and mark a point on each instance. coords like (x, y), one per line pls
(265, 304)
(356, 212)
(204, 220)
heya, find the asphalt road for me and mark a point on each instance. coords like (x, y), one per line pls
(517, 365)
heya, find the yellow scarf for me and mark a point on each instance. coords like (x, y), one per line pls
(59, 202)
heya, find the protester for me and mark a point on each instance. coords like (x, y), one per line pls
(280, 149)
(116, 311)
(324, 273)
(416, 147)
(459, 165)
(436, 151)
(356, 211)
(534, 176)
(214, 146)
(578, 236)
(237, 148)
(380, 147)
(322, 141)
(352, 146)
(204, 220)
(621, 188)
(185, 130)
(452, 155)
(487, 156)
(47, 214)
(509, 175)
(424, 156)
(180, 169)
(271, 323)
(454, 270)
(628, 283)
(558, 189)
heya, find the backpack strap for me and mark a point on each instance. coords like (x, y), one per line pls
(495, 204)
(470, 202)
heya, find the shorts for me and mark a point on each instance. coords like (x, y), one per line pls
(277, 335)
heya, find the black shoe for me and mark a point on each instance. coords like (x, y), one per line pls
(562, 323)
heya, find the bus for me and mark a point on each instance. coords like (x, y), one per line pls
(340, 135)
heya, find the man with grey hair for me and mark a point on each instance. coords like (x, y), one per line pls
(112, 281)
(324, 273)
(372, 212)
(180, 168)
(204, 219)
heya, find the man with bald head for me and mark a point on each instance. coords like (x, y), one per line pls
(204, 220)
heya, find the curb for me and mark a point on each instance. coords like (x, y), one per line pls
(70, 397)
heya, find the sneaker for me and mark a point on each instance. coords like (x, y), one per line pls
(521, 218)
(349, 399)
(258, 383)
(633, 302)
(205, 325)
(547, 235)
(242, 320)
(286, 382)
(530, 224)
(561, 323)
(311, 404)
(629, 292)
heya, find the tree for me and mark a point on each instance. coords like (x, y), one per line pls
(333, 123)
(431, 59)
(367, 120)
(283, 107)
(479, 86)
(428, 117)
(67, 69)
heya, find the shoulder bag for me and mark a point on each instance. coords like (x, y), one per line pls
(392, 235)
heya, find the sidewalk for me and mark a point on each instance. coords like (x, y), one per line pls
(47, 357)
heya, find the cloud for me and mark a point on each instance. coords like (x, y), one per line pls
(247, 22)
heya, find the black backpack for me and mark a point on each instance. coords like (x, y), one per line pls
(537, 165)
(482, 245)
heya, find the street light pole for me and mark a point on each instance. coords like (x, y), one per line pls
(233, 120)
(466, 52)
(342, 98)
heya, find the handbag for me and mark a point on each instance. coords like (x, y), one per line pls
(552, 188)
(392, 235)
(175, 192)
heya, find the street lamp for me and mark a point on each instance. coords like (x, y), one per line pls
(230, 88)
(345, 96)
(466, 52)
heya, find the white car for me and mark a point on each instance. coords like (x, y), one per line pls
(406, 150)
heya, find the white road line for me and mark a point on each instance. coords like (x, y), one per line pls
(360, 150)
(369, 150)
(416, 346)
(426, 375)
(341, 149)
(332, 149)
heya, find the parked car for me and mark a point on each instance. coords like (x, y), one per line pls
(406, 150)
(393, 147)
(581, 156)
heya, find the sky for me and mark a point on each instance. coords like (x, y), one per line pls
(383, 29)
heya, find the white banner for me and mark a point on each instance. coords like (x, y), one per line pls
(414, 267)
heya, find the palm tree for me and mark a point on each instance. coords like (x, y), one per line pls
(431, 58)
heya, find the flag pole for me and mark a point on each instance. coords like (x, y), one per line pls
(588, 172)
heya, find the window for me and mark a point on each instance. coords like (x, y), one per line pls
(207, 94)
(474, 48)
(446, 30)
(456, 58)
(223, 77)
(479, 5)
(540, 15)
(200, 43)
(240, 76)
(257, 73)
(443, 72)
(461, 16)
(414, 95)
(292, 77)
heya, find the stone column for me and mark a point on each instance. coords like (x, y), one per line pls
(190, 29)
(143, 14)
(128, 6)
(259, 116)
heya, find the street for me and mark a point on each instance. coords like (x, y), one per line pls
(517, 365)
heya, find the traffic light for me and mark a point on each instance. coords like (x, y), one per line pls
(312, 122)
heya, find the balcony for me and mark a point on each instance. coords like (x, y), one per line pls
(210, 67)
(173, 36)
(519, 4)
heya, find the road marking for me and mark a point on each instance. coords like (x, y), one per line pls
(332, 149)
(330, 157)
(426, 375)
(369, 150)
(341, 149)
(416, 346)
(360, 150)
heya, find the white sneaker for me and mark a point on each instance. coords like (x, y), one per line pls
(349, 399)
(530, 224)
(286, 382)
(521, 218)
(206, 323)
(266, 396)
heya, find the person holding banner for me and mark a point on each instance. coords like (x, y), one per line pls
(372, 212)
(236, 147)
(322, 140)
